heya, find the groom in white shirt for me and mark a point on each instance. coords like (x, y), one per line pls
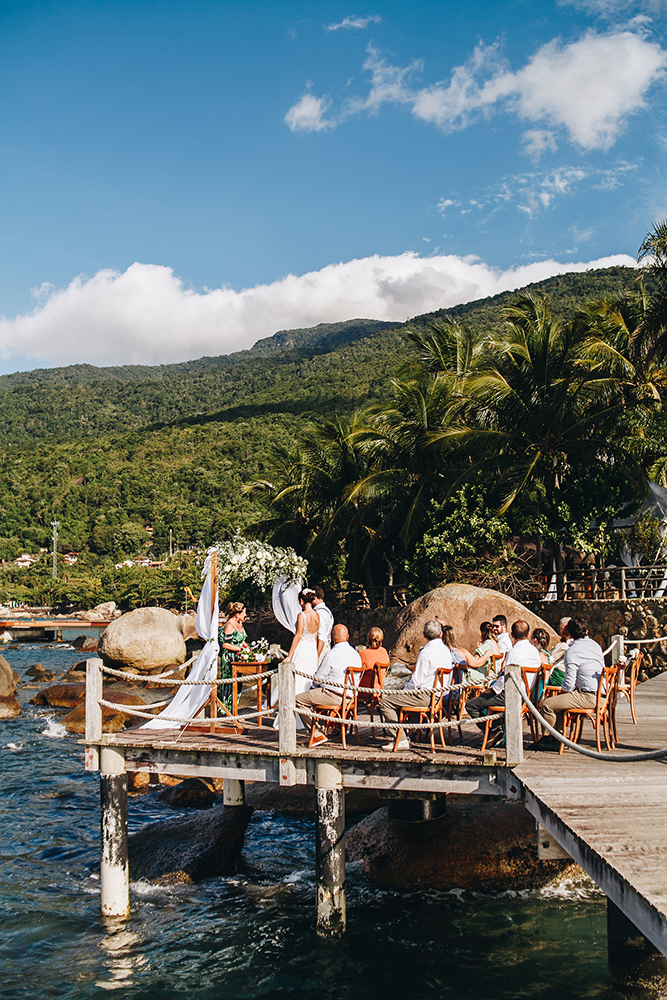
(326, 624)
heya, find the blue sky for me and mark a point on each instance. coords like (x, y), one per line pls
(181, 178)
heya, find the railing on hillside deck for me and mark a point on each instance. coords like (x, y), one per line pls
(608, 584)
(589, 584)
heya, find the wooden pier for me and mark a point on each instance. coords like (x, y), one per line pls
(611, 818)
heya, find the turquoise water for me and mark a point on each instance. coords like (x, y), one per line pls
(250, 935)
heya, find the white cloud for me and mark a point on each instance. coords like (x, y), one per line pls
(354, 22)
(145, 315)
(588, 87)
(307, 115)
(537, 141)
(446, 203)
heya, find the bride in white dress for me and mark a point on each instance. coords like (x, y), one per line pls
(303, 651)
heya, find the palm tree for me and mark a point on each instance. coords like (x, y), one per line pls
(535, 409)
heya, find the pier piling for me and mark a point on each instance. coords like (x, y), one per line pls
(513, 718)
(330, 849)
(633, 959)
(233, 793)
(114, 869)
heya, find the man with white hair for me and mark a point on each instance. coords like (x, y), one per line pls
(417, 692)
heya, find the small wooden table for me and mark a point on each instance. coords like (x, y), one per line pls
(241, 667)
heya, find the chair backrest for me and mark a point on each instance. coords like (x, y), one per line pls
(352, 679)
(607, 687)
(533, 681)
(498, 662)
(634, 670)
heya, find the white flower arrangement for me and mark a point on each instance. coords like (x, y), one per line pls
(242, 559)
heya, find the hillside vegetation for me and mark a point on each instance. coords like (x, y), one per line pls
(110, 451)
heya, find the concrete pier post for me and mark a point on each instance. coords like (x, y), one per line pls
(330, 849)
(513, 716)
(412, 808)
(94, 681)
(233, 792)
(114, 869)
(633, 959)
(286, 706)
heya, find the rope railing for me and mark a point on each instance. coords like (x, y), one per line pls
(366, 690)
(612, 758)
(395, 726)
(157, 679)
(227, 719)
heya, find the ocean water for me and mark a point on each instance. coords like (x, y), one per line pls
(251, 935)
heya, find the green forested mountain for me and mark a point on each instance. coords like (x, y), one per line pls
(320, 370)
(110, 451)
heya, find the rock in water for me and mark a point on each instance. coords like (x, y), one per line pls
(481, 845)
(143, 639)
(60, 695)
(188, 850)
(192, 793)
(113, 719)
(459, 605)
(7, 679)
(9, 707)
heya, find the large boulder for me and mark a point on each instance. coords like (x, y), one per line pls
(478, 844)
(459, 605)
(142, 640)
(300, 800)
(113, 719)
(187, 850)
(7, 679)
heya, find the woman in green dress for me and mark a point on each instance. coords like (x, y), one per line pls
(232, 638)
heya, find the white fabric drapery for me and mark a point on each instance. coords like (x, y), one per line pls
(190, 700)
(285, 601)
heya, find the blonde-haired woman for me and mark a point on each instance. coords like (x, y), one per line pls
(374, 656)
(232, 638)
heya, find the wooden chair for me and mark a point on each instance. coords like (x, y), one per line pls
(338, 713)
(433, 711)
(374, 678)
(531, 679)
(628, 685)
(601, 716)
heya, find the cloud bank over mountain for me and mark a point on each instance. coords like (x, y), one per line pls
(147, 315)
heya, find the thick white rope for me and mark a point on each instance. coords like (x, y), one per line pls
(612, 758)
(128, 710)
(395, 726)
(158, 678)
(364, 690)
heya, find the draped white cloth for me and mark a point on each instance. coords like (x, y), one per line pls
(190, 700)
(285, 601)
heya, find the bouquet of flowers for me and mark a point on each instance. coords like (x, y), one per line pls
(253, 652)
(247, 560)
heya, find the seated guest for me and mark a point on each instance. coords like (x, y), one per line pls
(332, 669)
(375, 655)
(459, 653)
(584, 661)
(502, 635)
(483, 665)
(417, 692)
(523, 654)
(540, 639)
(557, 675)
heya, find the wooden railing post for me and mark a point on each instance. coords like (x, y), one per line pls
(286, 722)
(513, 715)
(618, 648)
(622, 583)
(94, 687)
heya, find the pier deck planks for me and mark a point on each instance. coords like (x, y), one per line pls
(612, 818)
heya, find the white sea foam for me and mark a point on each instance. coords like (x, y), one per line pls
(14, 746)
(54, 730)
